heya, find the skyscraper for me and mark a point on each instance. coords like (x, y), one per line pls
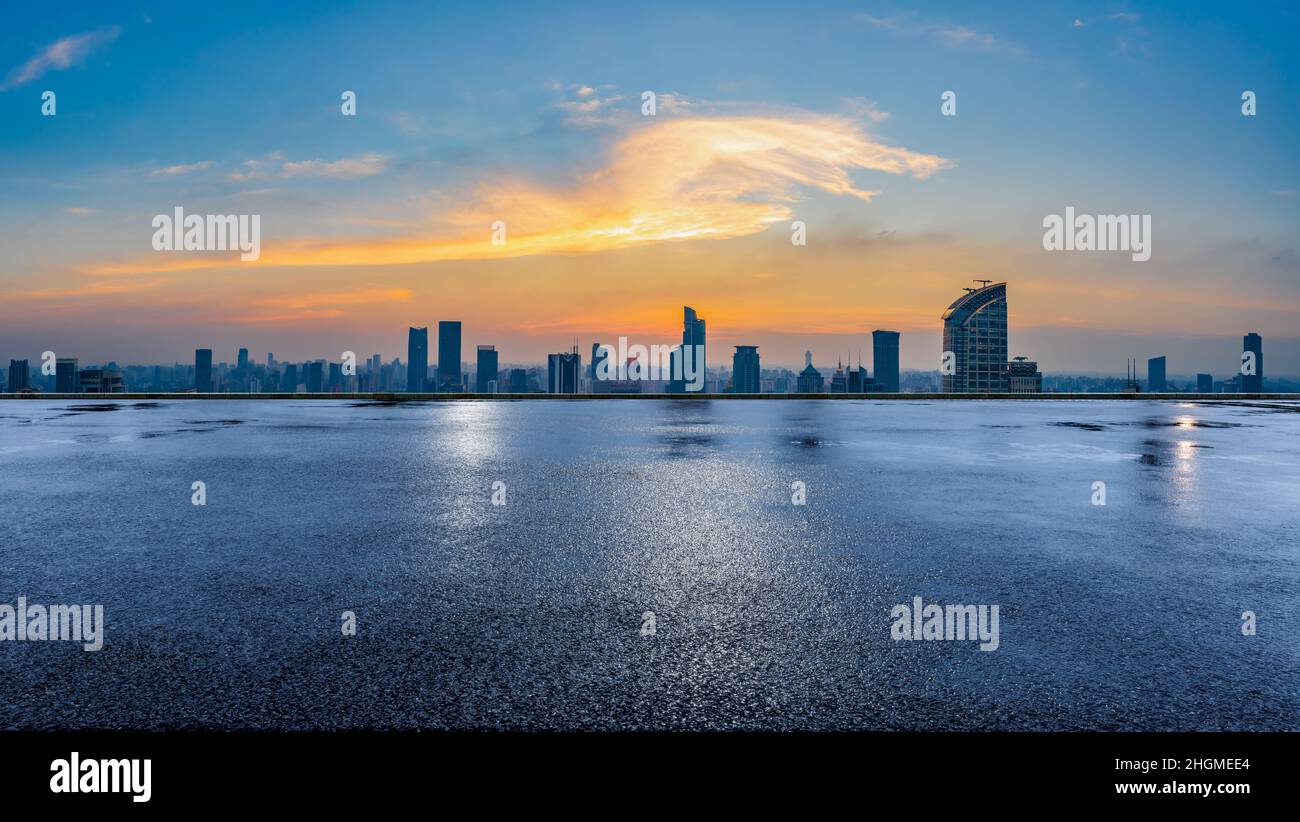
(486, 369)
(562, 372)
(203, 370)
(417, 359)
(1204, 384)
(243, 359)
(598, 356)
(810, 379)
(1156, 375)
(17, 376)
(975, 331)
(884, 359)
(518, 381)
(316, 376)
(449, 356)
(289, 383)
(745, 371)
(65, 375)
(1253, 383)
(693, 336)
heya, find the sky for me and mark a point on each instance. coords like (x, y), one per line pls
(829, 114)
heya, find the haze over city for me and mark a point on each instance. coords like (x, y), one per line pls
(379, 221)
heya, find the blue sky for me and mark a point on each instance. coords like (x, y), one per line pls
(1110, 107)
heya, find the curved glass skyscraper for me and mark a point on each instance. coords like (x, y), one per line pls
(975, 331)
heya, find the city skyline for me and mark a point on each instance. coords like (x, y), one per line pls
(612, 219)
(975, 359)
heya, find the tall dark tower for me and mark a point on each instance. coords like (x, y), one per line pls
(1253, 383)
(745, 371)
(203, 370)
(485, 370)
(884, 358)
(417, 359)
(975, 331)
(693, 335)
(449, 356)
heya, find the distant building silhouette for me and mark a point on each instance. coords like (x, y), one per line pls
(884, 358)
(336, 378)
(100, 381)
(810, 379)
(975, 331)
(243, 359)
(562, 372)
(1023, 376)
(745, 371)
(18, 377)
(1204, 384)
(1156, 375)
(485, 374)
(289, 382)
(1253, 383)
(840, 379)
(417, 359)
(518, 381)
(693, 334)
(449, 378)
(598, 356)
(203, 370)
(316, 377)
(65, 375)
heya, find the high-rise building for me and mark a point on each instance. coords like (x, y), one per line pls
(1156, 375)
(746, 376)
(1253, 383)
(417, 359)
(1023, 376)
(1204, 384)
(518, 381)
(449, 356)
(243, 359)
(810, 379)
(316, 377)
(485, 375)
(336, 378)
(203, 370)
(100, 381)
(693, 337)
(975, 331)
(18, 377)
(840, 379)
(562, 372)
(598, 356)
(65, 375)
(884, 359)
(289, 382)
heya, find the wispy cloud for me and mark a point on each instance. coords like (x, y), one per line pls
(173, 171)
(590, 109)
(61, 54)
(275, 167)
(79, 211)
(952, 35)
(689, 178)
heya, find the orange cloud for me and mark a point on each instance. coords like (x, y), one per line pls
(714, 177)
